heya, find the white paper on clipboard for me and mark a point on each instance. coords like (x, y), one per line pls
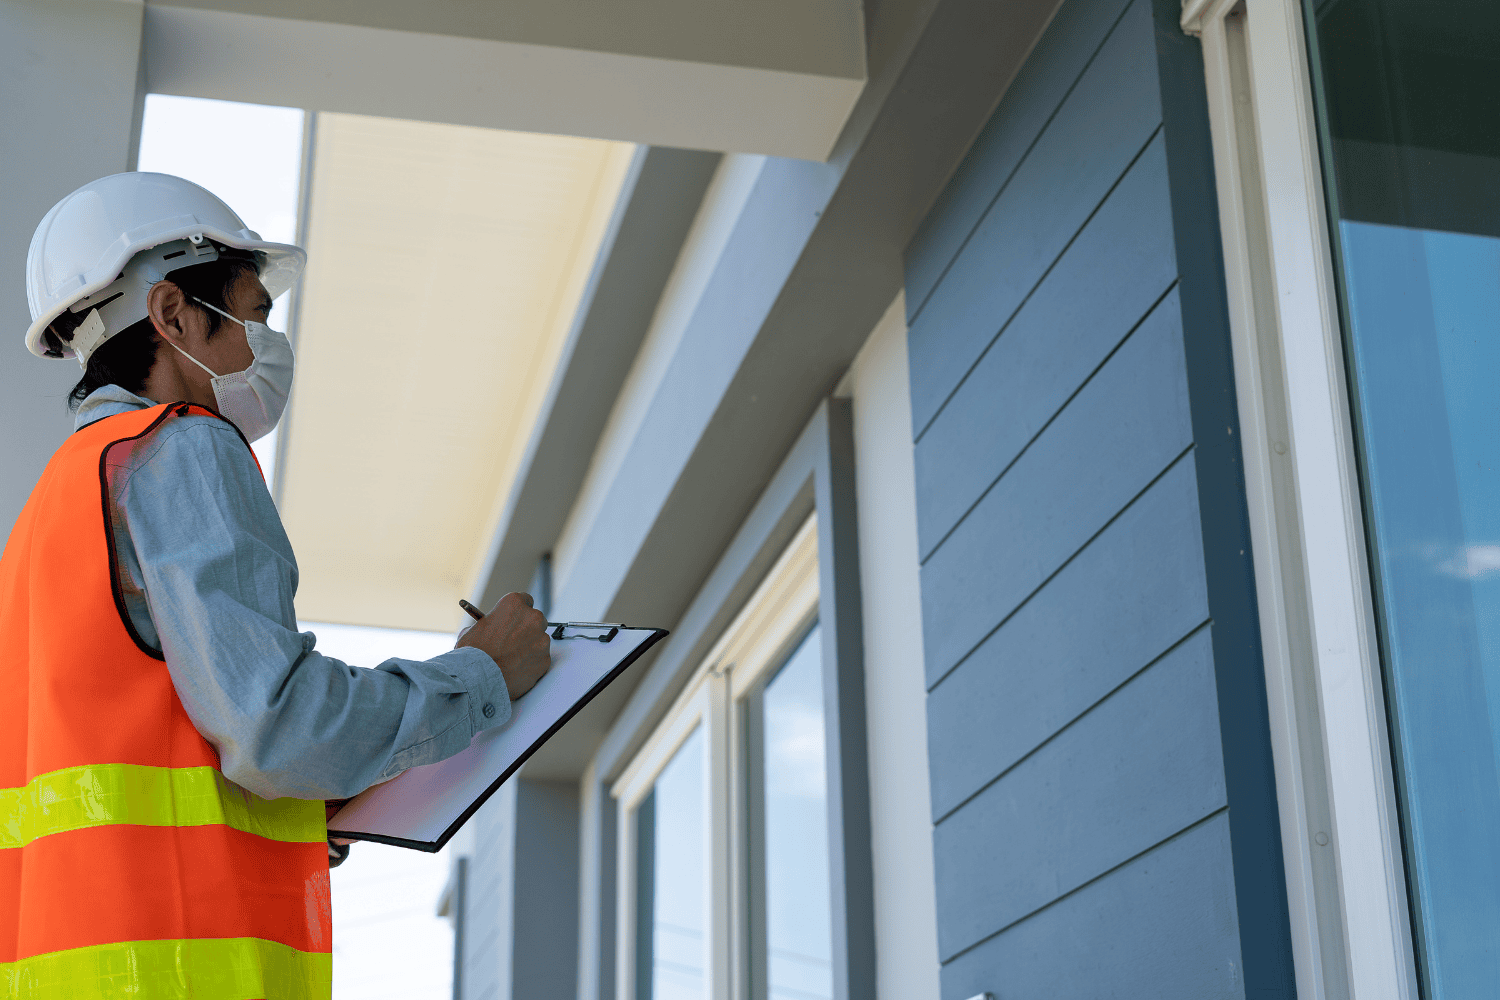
(424, 806)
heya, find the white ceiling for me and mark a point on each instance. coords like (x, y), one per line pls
(445, 267)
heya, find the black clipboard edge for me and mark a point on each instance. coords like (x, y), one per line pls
(432, 847)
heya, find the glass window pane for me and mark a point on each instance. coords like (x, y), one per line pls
(1408, 100)
(671, 881)
(799, 943)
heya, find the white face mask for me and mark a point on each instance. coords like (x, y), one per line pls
(254, 399)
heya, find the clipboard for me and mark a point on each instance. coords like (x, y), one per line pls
(423, 807)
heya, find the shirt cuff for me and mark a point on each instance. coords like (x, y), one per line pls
(489, 699)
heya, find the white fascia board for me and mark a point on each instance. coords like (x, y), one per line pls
(495, 84)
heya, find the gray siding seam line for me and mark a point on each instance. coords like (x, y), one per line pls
(1209, 817)
(1039, 282)
(980, 216)
(1176, 644)
(1049, 422)
(1060, 567)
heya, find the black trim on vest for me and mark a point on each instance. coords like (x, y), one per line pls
(178, 409)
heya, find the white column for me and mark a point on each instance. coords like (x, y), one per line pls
(70, 101)
(906, 946)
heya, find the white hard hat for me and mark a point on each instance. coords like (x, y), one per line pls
(102, 247)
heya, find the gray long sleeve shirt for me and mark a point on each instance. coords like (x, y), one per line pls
(208, 577)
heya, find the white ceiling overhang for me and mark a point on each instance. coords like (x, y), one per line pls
(773, 76)
(445, 267)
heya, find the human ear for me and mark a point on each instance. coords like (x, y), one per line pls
(167, 308)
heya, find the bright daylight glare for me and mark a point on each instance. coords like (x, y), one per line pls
(387, 940)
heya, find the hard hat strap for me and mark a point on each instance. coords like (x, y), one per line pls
(89, 335)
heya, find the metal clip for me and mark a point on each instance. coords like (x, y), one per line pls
(610, 630)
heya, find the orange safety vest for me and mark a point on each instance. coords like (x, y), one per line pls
(129, 865)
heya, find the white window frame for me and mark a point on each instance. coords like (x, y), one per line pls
(1346, 884)
(760, 638)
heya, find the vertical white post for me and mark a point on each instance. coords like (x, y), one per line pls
(1313, 901)
(716, 832)
(1365, 835)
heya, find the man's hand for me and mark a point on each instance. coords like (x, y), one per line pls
(338, 847)
(515, 635)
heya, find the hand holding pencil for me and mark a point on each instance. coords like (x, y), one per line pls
(514, 634)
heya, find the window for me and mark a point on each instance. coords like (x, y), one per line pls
(724, 854)
(791, 933)
(671, 879)
(1407, 99)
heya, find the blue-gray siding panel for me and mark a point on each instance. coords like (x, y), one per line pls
(1061, 54)
(1124, 600)
(1119, 265)
(1098, 131)
(1133, 771)
(1117, 435)
(1093, 668)
(1160, 928)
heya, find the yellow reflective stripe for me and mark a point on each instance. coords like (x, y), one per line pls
(106, 794)
(201, 969)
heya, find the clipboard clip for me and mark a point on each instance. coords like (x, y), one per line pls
(558, 630)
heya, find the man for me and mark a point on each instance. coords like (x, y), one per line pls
(167, 736)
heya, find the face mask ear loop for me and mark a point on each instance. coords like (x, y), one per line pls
(219, 311)
(189, 356)
(193, 359)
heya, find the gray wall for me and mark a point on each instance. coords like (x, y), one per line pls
(544, 958)
(489, 898)
(521, 902)
(70, 106)
(1103, 797)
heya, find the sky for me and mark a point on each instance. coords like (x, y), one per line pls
(387, 940)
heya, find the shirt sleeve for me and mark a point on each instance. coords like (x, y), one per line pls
(219, 576)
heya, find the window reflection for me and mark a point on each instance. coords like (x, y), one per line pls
(671, 881)
(798, 959)
(1409, 93)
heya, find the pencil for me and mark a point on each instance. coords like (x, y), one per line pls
(474, 612)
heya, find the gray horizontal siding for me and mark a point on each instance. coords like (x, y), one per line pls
(1161, 927)
(1095, 712)
(1141, 582)
(1122, 429)
(1106, 281)
(490, 901)
(1055, 64)
(1080, 154)
(1134, 771)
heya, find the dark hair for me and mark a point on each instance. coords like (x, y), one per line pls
(126, 358)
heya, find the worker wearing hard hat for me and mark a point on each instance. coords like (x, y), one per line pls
(167, 735)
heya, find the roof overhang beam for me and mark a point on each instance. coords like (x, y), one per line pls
(778, 77)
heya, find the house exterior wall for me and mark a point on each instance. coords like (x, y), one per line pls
(544, 951)
(488, 919)
(1102, 788)
(1094, 751)
(520, 919)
